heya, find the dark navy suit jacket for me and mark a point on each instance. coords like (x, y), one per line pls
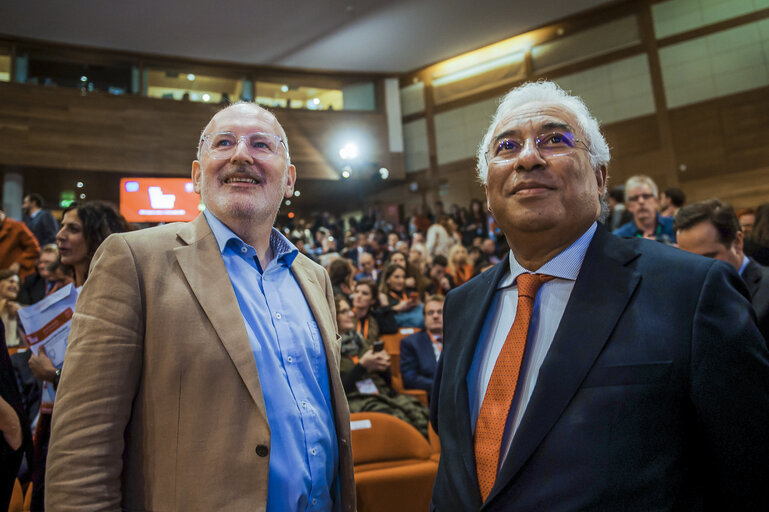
(417, 361)
(653, 396)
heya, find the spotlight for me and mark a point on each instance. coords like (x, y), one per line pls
(384, 173)
(191, 77)
(83, 78)
(346, 172)
(79, 184)
(316, 101)
(349, 151)
(283, 88)
(297, 193)
(206, 97)
(82, 196)
(288, 202)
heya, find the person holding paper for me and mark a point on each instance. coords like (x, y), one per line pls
(202, 371)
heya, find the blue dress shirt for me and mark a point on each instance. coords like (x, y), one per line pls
(293, 373)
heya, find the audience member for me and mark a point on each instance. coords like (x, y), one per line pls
(340, 271)
(395, 297)
(365, 372)
(440, 281)
(420, 351)
(9, 306)
(441, 237)
(641, 198)
(367, 267)
(36, 286)
(40, 222)
(747, 219)
(618, 213)
(489, 249)
(590, 372)
(671, 200)
(757, 245)
(710, 228)
(460, 269)
(12, 426)
(18, 247)
(199, 337)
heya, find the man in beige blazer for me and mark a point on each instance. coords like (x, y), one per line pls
(170, 397)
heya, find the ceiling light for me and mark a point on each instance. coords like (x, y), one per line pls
(79, 184)
(346, 172)
(191, 77)
(316, 101)
(349, 151)
(384, 173)
(83, 78)
(297, 193)
(283, 88)
(288, 202)
(206, 97)
(82, 196)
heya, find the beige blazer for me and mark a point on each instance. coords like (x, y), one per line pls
(160, 407)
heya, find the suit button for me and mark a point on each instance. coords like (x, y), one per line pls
(262, 450)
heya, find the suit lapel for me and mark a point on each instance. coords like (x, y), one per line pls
(468, 330)
(752, 277)
(605, 283)
(203, 267)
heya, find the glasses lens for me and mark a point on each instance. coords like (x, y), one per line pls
(548, 144)
(260, 145)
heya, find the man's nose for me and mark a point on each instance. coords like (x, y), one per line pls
(529, 158)
(241, 153)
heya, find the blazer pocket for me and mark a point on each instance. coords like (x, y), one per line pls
(629, 374)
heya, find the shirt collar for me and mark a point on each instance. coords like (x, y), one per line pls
(282, 249)
(565, 265)
(745, 261)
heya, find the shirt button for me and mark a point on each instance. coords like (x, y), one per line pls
(304, 404)
(313, 451)
(290, 359)
(262, 450)
(314, 501)
(277, 315)
(243, 250)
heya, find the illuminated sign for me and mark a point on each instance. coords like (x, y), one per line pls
(158, 199)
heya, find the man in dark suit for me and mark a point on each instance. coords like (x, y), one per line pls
(420, 351)
(711, 228)
(39, 221)
(634, 378)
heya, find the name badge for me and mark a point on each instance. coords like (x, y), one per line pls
(367, 387)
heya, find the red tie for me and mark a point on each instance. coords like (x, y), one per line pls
(492, 418)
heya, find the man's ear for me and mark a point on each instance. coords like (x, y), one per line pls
(290, 181)
(738, 241)
(196, 173)
(600, 179)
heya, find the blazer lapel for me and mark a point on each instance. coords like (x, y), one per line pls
(468, 330)
(203, 267)
(752, 277)
(605, 282)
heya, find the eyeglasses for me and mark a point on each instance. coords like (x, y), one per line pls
(637, 197)
(507, 149)
(260, 145)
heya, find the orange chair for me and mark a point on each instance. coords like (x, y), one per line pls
(17, 498)
(393, 466)
(392, 343)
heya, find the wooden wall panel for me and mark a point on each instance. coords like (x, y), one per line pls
(62, 129)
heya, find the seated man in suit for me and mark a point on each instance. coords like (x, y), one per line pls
(202, 371)
(420, 351)
(711, 228)
(587, 371)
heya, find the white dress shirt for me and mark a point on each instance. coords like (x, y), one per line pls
(548, 310)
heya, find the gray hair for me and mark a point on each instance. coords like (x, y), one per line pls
(550, 93)
(637, 181)
(282, 132)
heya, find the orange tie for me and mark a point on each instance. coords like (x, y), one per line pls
(492, 418)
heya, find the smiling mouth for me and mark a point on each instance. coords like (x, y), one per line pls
(246, 180)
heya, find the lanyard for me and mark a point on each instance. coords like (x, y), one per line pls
(363, 327)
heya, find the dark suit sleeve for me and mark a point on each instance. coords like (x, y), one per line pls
(730, 394)
(409, 364)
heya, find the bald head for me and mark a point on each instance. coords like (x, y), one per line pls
(246, 107)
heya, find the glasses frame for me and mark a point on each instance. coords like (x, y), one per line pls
(205, 140)
(543, 154)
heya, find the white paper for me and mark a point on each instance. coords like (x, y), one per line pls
(47, 323)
